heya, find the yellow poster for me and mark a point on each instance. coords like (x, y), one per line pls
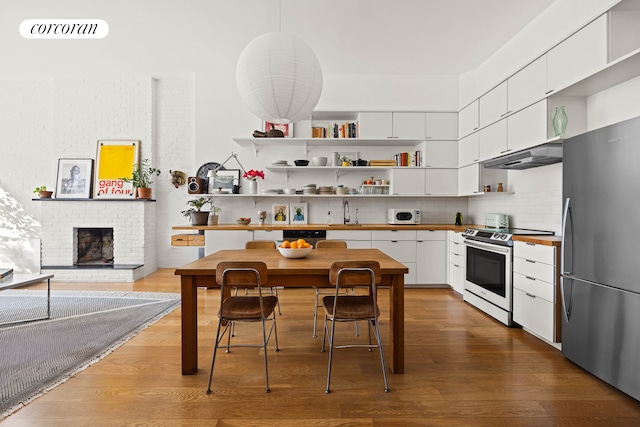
(115, 163)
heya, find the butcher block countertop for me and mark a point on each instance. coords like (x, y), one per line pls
(540, 240)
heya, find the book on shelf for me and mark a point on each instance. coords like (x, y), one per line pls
(336, 130)
(5, 274)
(413, 158)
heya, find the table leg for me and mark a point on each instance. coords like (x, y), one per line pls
(396, 308)
(189, 325)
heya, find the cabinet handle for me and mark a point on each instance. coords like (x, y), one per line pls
(530, 278)
(530, 244)
(531, 261)
(505, 151)
(475, 128)
(428, 166)
(392, 137)
(428, 137)
(549, 91)
(475, 160)
(529, 295)
(456, 265)
(394, 241)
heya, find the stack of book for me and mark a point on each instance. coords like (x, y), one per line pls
(336, 130)
(413, 158)
(382, 162)
(5, 274)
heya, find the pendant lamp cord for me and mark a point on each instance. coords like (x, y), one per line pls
(279, 16)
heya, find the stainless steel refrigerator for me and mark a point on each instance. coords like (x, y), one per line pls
(600, 280)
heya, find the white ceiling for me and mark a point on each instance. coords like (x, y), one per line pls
(406, 36)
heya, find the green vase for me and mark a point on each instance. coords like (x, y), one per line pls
(560, 121)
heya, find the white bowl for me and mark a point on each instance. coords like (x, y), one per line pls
(289, 191)
(319, 161)
(295, 253)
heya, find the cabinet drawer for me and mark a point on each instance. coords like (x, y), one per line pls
(393, 235)
(431, 235)
(187, 240)
(533, 252)
(402, 251)
(534, 314)
(534, 269)
(534, 287)
(349, 234)
(456, 236)
(457, 257)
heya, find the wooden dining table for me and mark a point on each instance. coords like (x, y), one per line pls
(311, 271)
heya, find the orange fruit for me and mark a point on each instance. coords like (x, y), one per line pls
(307, 245)
(301, 242)
(294, 245)
(286, 244)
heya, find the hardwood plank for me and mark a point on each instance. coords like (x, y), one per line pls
(462, 368)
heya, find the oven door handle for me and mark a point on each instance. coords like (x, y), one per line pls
(488, 246)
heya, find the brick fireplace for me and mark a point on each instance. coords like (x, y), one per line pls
(98, 240)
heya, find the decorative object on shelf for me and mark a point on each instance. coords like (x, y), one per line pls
(279, 78)
(196, 185)
(299, 214)
(560, 121)
(178, 178)
(213, 217)
(500, 188)
(212, 171)
(142, 178)
(74, 179)
(43, 193)
(223, 181)
(252, 175)
(319, 161)
(458, 218)
(280, 213)
(277, 130)
(243, 221)
(195, 213)
(262, 215)
(203, 172)
(487, 188)
(301, 162)
(115, 160)
(335, 159)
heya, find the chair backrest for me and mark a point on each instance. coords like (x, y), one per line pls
(323, 244)
(355, 273)
(242, 273)
(260, 244)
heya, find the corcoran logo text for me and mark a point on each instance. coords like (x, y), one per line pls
(64, 29)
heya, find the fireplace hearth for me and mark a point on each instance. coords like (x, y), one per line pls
(94, 247)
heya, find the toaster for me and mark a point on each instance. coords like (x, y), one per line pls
(496, 220)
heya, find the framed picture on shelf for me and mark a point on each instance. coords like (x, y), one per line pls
(280, 213)
(74, 179)
(224, 180)
(115, 161)
(348, 156)
(299, 213)
(287, 128)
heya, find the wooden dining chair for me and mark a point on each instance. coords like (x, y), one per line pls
(263, 244)
(244, 308)
(326, 244)
(347, 308)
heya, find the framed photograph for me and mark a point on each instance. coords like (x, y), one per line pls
(74, 180)
(115, 161)
(280, 213)
(348, 156)
(299, 213)
(287, 129)
(224, 180)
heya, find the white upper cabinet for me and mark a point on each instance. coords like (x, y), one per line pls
(441, 182)
(441, 154)
(468, 119)
(493, 105)
(468, 150)
(528, 127)
(578, 56)
(528, 85)
(493, 140)
(441, 126)
(408, 125)
(376, 125)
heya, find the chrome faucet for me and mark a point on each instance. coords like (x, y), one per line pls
(356, 223)
(345, 212)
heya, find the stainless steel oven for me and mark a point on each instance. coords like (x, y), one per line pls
(488, 279)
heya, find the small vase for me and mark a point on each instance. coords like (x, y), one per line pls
(253, 187)
(560, 121)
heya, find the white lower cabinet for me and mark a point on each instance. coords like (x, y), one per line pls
(356, 239)
(275, 235)
(535, 281)
(225, 239)
(457, 263)
(431, 257)
(399, 245)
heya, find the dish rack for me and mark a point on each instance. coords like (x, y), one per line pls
(374, 189)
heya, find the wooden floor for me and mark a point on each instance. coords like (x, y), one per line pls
(462, 369)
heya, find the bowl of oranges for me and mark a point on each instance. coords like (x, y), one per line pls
(295, 249)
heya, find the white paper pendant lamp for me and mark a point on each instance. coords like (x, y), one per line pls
(279, 78)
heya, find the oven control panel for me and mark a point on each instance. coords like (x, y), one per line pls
(487, 235)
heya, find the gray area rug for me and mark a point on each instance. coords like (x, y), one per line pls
(85, 326)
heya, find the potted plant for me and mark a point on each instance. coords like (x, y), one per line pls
(142, 178)
(42, 192)
(199, 217)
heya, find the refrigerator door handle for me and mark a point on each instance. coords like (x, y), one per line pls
(565, 217)
(566, 311)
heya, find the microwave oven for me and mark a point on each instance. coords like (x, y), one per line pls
(403, 216)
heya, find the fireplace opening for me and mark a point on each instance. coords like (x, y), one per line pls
(94, 246)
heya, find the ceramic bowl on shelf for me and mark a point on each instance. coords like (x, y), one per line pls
(295, 253)
(301, 162)
(244, 221)
(319, 161)
(289, 191)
